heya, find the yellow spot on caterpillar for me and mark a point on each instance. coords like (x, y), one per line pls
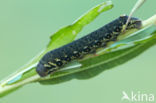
(46, 65)
(123, 28)
(52, 63)
(85, 47)
(75, 52)
(115, 32)
(57, 59)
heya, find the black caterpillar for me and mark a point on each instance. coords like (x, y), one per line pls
(55, 59)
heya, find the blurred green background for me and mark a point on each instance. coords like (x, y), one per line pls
(25, 27)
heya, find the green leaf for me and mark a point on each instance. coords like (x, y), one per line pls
(67, 34)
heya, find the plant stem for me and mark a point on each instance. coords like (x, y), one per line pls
(149, 21)
(16, 85)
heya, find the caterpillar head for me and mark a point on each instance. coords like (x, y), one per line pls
(44, 69)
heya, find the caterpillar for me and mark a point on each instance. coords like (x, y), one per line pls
(57, 58)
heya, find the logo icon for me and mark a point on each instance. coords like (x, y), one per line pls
(137, 97)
